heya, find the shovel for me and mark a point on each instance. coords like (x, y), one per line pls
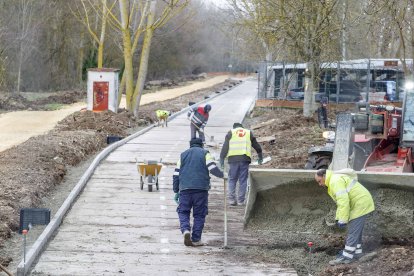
(225, 212)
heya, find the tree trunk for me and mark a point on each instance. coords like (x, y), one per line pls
(102, 36)
(307, 101)
(128, 71)
(143, 66)
(81, 54)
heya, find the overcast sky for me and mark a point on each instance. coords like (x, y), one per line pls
(219, 3)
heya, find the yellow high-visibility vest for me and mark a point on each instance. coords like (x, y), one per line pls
(161, 113)
(240, 143)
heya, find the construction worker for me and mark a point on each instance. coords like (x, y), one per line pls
(198, 117)
(237, 147)
(354, 203)
(191, 182)
(162, 116)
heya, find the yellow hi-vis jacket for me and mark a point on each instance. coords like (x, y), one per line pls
(162, 113)
(352, 199)
(240, 143)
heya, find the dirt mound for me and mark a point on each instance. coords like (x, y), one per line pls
(105, 122)
(294, 135)
(18, 101)
(11, 101)
(63, 97)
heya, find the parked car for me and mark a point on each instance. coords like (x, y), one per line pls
(349, 91)
(297, 94)
(346, 98)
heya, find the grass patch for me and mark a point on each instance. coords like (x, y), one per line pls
(53, 106)
(33, 96)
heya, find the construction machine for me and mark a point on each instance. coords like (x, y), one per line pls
(377, 138)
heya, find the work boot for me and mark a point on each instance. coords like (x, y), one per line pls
(340, 260)
(243, 203)
(187, 238)
(199, 243)
(233, 203)
(357, 256)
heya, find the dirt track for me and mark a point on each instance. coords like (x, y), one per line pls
(17, 127)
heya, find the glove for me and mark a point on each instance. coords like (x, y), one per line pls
(201, 130)
(341, 224)
(260, 158)
(225, 176)
(177, 198)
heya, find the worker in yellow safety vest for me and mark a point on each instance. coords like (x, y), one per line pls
(237, 148)
(162, 116)
(354, 202)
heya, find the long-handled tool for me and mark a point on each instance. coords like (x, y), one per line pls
(310, 244)
(225, 212)
(210, 138)
(5, 270)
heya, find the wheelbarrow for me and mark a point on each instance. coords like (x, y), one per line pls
(149, 171)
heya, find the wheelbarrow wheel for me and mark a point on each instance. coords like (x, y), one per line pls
(142, 183)
(156, 185)
(149, 188)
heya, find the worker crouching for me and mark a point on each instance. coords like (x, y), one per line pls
(191, 182)
(354, 202)
(162, 117)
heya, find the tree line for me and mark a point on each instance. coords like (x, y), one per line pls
(47, 45)
(313, 32)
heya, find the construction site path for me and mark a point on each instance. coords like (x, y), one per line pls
(115, 227)
(16, 127)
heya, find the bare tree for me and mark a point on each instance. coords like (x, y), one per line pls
(99, 11)
(24, 36)
(148, 23)
(307, 31)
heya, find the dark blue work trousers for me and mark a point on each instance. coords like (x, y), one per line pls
(194, 130)
(197, 200)
(238, 171)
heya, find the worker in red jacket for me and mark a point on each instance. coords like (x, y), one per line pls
(198, 116)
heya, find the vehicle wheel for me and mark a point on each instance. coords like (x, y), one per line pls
(323, 162)
(311, 163)
(316, 162)
(149, 188)
(156, 185)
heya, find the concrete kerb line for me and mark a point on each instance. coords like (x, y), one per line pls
(38, 246)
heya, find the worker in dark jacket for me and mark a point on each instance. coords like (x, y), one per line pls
(237, 148)
(198, 117)
(191, 182)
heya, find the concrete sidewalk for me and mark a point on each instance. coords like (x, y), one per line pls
(116, 228)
